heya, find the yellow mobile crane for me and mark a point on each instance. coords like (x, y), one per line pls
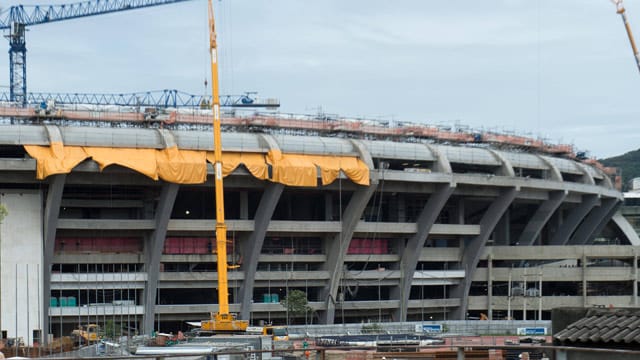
(623, 14)
(222, 321)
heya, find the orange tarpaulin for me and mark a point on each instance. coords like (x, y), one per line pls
(189, 166)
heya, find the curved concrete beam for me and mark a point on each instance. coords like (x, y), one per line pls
(586, 177)
(474, 248)
(594, 222)
(167, 138)
(51, 215)
(574, 219)
(411, 253)
(252, 246)
(623, 224)
(541, 217)
(554, 172)
(153, 253)
(506, 169)
(442, 163)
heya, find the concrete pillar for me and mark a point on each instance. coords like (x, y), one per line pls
(51, 215)
(594, 222)
(576, 215)
(542, 215)
(460, 211)
(473, 250)
(252, 247)
(328, 206)
(490, 286)
(402, 207)
(153, 253)
(584, 280)
(337, 247)
(411, 254)
(635, 280)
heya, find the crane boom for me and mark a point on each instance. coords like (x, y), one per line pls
(17, 18)
(222, 321)
(621, 10)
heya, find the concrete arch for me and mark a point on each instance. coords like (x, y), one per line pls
(586, 177)
(153, 252)
(411, 253)
(474, 248)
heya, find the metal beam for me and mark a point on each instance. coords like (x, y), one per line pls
(153, 253)
(412, 251)
(541, 217)
(253, 245)
(475, 247)
(51, 214)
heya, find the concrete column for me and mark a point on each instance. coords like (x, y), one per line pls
(460, 211)
(402, 208)
(153, 253)
(244, 205)
(584, 280)
(252, 247)
(337, 247)
(623, 224)
(411, 253)
(542, 215)
(473, 250)
(635, 280)
(594, 222)
(490, 286)
(51, 215)
(576, 215)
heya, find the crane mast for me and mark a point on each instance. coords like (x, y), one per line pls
(621, 10)
(222, 321)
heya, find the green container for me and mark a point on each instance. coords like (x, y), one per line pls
(53, 302)
(71, 301)
(63, 301)
(275, 298)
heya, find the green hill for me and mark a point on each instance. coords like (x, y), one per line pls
(629, 164)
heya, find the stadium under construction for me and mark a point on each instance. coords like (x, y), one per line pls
(111, 218)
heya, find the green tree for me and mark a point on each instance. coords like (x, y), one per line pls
(296, 304)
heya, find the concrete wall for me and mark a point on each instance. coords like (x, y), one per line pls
(21, 257)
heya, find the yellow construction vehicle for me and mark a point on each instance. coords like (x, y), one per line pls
(621, 10)
(222, 321)
(86, 336)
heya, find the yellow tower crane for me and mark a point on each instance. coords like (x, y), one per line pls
(222, 321)
(621, 10)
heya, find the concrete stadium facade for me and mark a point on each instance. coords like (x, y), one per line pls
(441, 232)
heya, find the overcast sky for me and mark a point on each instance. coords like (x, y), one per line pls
(560, 70)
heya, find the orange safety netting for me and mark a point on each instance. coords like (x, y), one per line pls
(189, 166)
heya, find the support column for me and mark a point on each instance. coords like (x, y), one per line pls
(584, 280)
(153, 253)
(473, 249)
(594, 222)
(490, 286)
(574, 219)
(337, 247)
(635, 280)
(532, 231)
(252, 247)
(415, 245)
(51, 215)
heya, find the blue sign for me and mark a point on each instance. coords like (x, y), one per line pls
(431, 328)
(532, 331)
